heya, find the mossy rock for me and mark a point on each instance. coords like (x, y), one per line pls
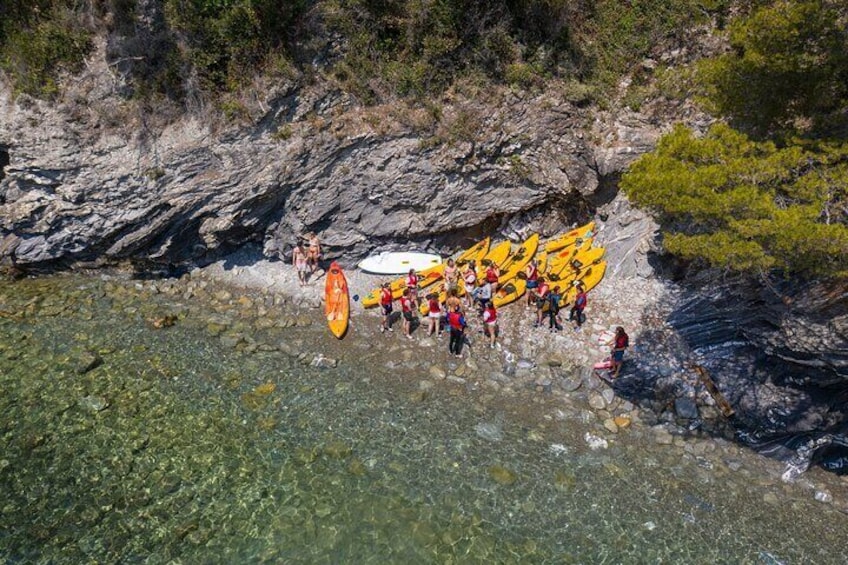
(502, 475)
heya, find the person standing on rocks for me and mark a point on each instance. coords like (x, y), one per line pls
(580, 302)
(412, 286)
(490, 322)
(434, 315)
(469, 277)
(620, 342)
(456, 324)
(483, 294)
(314, 254)
(386, 305)
(554, 296)
(493, 273)
(407, 306)
(452, 301)
(532, 273)
(451, 276)
(300, 262)
(541, 293)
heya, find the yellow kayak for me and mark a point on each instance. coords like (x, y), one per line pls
(497, 255)
(589, 276)
(516, 262)
(569, 238)
(510, 292)
(563, 258)
(474, 253)
(425, 279)
(571, 272)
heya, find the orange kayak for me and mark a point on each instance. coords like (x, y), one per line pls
(336, 300)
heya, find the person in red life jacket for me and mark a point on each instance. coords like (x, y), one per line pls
(386, 305)
(434, 316)
(531, 271)
(492, 275)
(407, 307)
(490, 322)
(580, 302)
(541, 293)
(469, 277)
(412, 286)
(456, 325)
(620, 342)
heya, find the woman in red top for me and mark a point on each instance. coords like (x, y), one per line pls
(434, 316)
(412, 285)
(490, 322)
(620, 342)
(492, 275)
(386, 305)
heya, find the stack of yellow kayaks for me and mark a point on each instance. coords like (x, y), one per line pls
(564, 261)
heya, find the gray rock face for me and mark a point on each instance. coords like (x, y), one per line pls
(95, 178)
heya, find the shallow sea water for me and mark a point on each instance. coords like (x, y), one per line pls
(176, 447)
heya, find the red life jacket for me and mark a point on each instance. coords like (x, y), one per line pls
(492, 315)
(534, 273)
(621, 341)
(491, 275)
(580, 301)
(385, 297)
(470, 279)
(412, 281)
(543, 290)
(456, 320)
(434, 305)
(406, 304)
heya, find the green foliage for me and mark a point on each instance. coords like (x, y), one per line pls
(39, 39)
(788, 68)
(744, 205)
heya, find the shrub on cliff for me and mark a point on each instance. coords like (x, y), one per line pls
(744, 205)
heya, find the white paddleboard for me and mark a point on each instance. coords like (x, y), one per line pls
(398, 263)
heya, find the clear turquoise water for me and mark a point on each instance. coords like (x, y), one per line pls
(209, 453)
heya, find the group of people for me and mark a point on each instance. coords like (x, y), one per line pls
(547, 299)
(452, 310)
(306, 257)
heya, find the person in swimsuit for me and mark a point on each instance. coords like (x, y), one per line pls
(300, 261)
(451, 275)
(490, 322)
(314, 252)
(453, 302)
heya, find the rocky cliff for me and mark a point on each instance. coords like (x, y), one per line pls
(97, 178)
